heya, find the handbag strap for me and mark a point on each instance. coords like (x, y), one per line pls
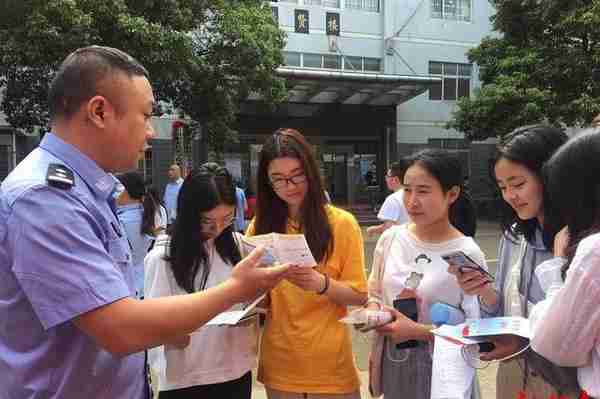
(383, 262)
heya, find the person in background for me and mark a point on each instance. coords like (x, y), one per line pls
(240, 210)
(566, 325)
(251, 201)
(214, 361)
(136, 211)
(160, 219)
(66, 281)
(171, 191)
(392, 212)
(517, 168)
(432, 189)
(305, 351)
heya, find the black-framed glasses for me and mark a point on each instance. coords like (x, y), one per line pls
(210, 226)
(281, 183)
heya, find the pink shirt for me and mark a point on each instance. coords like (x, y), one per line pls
(567, 324)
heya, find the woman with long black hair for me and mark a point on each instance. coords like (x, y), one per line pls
(567, 323)
(136, 211)
(305, 351)
(517, 171)
(408, 264)
(214, 361)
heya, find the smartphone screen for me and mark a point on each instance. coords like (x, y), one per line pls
(465, 263)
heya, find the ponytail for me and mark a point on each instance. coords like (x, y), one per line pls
(463, 215)
(136, 188)
(149, 215)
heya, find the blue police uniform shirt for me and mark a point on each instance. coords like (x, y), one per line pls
(131, 216)
(62, 254)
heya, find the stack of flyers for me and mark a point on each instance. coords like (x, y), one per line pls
(497, 326)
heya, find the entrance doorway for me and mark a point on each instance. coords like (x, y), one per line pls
(337, 163)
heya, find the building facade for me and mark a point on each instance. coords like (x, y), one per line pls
(370, 81)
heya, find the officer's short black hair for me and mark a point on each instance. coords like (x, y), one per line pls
(79, 75)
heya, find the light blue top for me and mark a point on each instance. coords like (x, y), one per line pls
(62, 254)
(130, 216)
(170, 198)
(240, 221)
(535, 253)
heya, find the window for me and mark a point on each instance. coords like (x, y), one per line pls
(353, 63)
(373, 64)
(312, 2)
(456, 81)
(331, 3)
(145, 164)
(291, 59)
(313, 60)
(365, 5)
(459, 10)
(332, 62)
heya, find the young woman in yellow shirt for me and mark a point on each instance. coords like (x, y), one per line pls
(305, 351)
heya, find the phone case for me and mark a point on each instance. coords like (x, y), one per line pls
(407, 307)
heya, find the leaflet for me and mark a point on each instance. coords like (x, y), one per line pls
(238, 314)
(454, 334)
(477, 330)
(282, 248)
(498, 326)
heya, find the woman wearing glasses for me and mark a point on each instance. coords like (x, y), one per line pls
(305, 351)
(214, 361)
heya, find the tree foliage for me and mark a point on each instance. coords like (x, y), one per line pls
(204, 56)
(544, 67)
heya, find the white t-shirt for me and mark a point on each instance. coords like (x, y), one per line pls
(393, 208)
(215, 354)
(407, 254)
(160, 217)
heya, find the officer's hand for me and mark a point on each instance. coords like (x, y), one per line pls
(250, 280)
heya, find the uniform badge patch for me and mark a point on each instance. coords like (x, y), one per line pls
(60, 176)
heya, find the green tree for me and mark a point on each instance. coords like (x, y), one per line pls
(204, 56)
(544, 67)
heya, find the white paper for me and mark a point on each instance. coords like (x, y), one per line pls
(454, 334)
(233, 317)
(286, 248)
(451, 376)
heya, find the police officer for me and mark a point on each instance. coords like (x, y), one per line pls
(70, 327)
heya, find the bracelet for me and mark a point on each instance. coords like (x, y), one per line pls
(326, 287)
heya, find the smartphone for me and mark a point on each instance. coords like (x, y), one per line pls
(465, 263)
(408, 307)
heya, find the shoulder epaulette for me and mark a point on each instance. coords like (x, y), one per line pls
(60, 176)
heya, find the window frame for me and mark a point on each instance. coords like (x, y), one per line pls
(363, 5)
(458, 14)
(450, 71)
